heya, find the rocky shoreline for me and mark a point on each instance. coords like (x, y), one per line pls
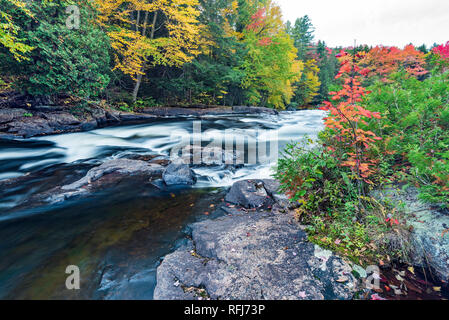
(255, 251)
(45, 120)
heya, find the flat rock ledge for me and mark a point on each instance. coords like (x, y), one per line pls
(93, 178)
(252, 256)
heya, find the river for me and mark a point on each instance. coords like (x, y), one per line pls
(118, 235)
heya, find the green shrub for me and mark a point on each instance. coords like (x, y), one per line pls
(415, 128)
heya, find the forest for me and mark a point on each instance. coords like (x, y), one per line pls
(133, 54)
(386, 123)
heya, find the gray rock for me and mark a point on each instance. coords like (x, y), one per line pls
(253, 110)
(121, 166)
(59, 119)
(250, 193)
(249, 257)
(7, 115)
(28, 127)
(429, 241)
(179, 174)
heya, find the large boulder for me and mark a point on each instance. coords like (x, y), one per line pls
(251, 257)
(179, 174)
(430, 236)
(251, 193)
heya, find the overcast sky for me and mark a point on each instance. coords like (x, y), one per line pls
(372, 22)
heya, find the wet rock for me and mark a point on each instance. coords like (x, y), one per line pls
(258, 256)
(127, 116)
(429, 238)
(206, 156)
(29, 127)
(121, 166)
(251, 193)
(179, 174)
(253, 110)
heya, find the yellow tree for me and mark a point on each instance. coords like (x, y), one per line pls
(9, 31)
(271, 64)
(150, 33)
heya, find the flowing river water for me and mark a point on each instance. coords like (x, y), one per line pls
(118, 235)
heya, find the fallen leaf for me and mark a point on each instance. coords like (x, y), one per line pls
(342, 279)
(411, 269)
(437, 289)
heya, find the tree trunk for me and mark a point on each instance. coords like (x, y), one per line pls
(144, 31)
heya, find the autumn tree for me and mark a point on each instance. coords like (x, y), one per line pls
(381, 61)
(351, 142)
(308, 85)
(271, 65)
(9, 29)
(150, 33)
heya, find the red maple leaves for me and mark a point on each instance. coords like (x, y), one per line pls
(347, 114)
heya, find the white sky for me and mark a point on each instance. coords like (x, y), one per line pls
(373, 22)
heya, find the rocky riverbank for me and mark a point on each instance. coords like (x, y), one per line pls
(44, 120)
(255, 251)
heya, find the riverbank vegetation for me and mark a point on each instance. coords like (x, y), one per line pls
(392, 134)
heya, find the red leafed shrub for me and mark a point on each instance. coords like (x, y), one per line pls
(346, 117)
(442, 51)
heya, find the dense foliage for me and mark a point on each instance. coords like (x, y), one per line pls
(63, 61)
(395, 133)
(138, 53)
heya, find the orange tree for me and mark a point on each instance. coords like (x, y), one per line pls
(348, 140)
(382, 61)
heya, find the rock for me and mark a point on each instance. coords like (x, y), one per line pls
(429, 239)
(89, 125)
(29, 127)
(250, 194)
(121, 166)
(206, 156)
(7, 115)
(127, 116)
(252, 110)
(179, 174)
(251, 257)
(56, 119)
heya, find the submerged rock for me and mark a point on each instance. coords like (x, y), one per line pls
(179, 174)
(248, 257)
